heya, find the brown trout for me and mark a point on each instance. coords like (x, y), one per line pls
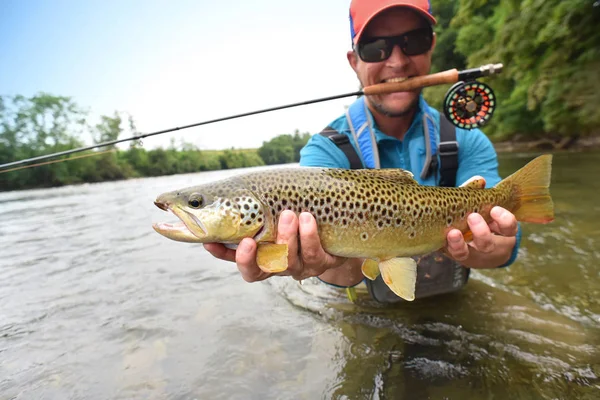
(383, 216)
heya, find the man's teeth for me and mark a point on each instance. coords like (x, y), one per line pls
(396, 79)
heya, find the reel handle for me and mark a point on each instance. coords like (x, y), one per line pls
(440, 78)
(450, 76)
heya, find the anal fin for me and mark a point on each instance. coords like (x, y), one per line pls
(272, 257)
(400, 274)
(468, 236)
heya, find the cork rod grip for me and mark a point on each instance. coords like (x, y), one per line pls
(450, 76)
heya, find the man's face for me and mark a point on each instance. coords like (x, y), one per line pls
(398, 66)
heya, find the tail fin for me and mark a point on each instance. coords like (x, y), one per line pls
(530, 185)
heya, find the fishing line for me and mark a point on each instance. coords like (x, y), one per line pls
(418, 82)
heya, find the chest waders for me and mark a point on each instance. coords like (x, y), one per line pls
(436, 273)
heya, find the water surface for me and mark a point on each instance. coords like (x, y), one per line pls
(95, 305)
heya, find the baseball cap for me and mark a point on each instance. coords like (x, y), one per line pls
(363, 11)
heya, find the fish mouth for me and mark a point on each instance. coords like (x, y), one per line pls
(186, 230)
(162, 206)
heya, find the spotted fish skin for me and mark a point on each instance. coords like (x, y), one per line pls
(364, 213)
(376, 213)
(383, 216)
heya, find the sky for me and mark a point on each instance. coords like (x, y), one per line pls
(173, 63)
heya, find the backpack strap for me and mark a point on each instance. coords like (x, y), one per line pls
(448, 152)
(343, 143)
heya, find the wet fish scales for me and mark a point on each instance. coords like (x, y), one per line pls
(379, 215)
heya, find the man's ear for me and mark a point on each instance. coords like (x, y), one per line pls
(433, 43)
(352, 59)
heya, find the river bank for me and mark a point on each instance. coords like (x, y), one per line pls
(574, 143)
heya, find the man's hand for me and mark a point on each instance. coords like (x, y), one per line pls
(307, 261)
(492, 244)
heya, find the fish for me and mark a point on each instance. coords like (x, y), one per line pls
(383, 216)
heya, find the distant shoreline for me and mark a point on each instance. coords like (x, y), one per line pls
(563, 144)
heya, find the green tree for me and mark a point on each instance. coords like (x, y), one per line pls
(283, 149)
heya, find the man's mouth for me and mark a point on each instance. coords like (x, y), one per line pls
(393, 80)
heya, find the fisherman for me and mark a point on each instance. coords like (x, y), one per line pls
(392, 41)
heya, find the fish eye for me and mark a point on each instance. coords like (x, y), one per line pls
(195, 202)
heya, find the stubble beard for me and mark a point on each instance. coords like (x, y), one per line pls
(395, 114)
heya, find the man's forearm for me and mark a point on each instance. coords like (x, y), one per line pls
(347, 274)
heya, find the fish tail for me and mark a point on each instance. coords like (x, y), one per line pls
(530, 190)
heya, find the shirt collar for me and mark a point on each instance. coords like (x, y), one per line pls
(414, 129)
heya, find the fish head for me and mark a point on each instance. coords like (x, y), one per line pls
(209, 214)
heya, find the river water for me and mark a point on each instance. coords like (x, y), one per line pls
(95, 305)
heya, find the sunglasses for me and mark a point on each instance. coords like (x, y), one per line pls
(412, 43)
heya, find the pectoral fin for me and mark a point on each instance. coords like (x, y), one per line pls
(272, 257)
(370, 269)
(400, 274)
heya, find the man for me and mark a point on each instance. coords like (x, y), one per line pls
(391, 41)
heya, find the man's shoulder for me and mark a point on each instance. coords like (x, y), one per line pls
(340, 125)
(320, 151)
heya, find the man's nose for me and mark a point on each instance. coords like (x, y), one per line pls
(397, 58)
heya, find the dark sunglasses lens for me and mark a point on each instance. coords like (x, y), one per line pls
(374, 51)
(418, 42)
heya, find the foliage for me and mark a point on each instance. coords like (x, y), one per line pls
(45, 124)
(551, 55)
(549, 86)
(283, 149)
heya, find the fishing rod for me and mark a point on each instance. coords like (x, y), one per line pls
(468, 104)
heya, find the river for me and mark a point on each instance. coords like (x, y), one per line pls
(95, 305)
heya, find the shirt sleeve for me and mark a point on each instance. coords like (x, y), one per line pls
(476, 156)
(322, 152)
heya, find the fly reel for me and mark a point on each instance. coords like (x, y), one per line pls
(469, 105)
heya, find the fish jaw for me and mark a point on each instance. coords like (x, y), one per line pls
(178, 232)
(218, 222)
(190, 229)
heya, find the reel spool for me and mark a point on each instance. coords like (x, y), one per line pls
(469, 105)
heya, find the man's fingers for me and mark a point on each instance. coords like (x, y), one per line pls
(245, 258)
(287, 233)
(312, 251)
(220, 251)
(504, 222)
(457, 247)
(483, 240)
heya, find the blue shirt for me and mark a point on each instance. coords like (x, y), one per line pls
(476, 154)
